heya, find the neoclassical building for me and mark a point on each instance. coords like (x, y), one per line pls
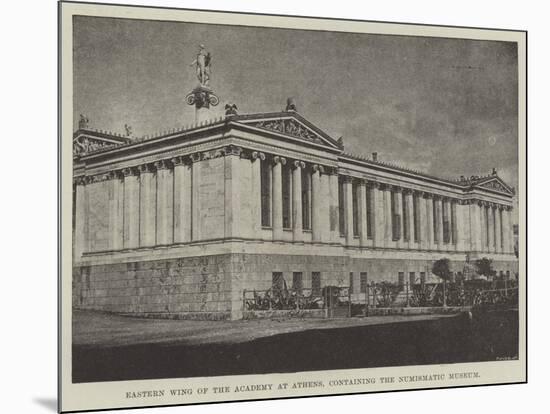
(178, 224)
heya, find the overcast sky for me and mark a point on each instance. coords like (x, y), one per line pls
(443, 106)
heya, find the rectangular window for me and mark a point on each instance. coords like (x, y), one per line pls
(277, 281)
(355, 206)
(396, 218)
(265, 184)
(350, 282)
(412, 279)
(404, 204)
(370, 212)
(416, 213)
(401, 280)
(363, 282)
(341, 210)
(297, 282)
(306, 203)
(286, 183)
(316, 283)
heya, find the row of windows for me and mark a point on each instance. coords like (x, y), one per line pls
(278, 282)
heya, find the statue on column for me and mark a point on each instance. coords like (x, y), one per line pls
(203, 64)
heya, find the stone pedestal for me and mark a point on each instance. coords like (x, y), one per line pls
(202, 97)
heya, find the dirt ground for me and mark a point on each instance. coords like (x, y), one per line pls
(103, 329)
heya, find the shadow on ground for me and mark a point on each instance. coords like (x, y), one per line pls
(486, 337)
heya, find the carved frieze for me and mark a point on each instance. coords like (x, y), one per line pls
(289, 127)
(84, 145)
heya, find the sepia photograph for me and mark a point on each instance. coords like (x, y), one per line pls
(258, 199)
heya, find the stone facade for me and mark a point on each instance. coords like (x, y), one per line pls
(181, 223)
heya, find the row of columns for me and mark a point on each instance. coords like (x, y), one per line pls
(145, 210)
(442, 223)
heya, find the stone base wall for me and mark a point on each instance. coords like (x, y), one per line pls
(211, 287)
(199, 287)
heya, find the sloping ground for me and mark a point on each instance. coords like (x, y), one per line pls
(103, 329)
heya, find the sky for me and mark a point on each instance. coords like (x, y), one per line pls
(446, 107)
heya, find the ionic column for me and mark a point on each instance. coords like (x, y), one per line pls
(388, 236)
(430, 240)
(325, 207)
(438, 222)
(398, 194)
(256, 193)
(131, 208)
(182, 200)
(421, 219)
(498, 230)
(505, 231)
(164, 205)
(334, 212)
(409, 211)
(297, 233)
(457, 211)
(482, 225)
(362, 213)
(491, 218)
(277, 218)
(348, 209)
(510, 230)
(195, 195)
(316, 197)
(475, 225)
(81, 218)
(377, 215)
(116, 212)
(147, 208)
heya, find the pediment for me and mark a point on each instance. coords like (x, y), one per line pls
(495, 184)
(292, 125)
(84, 143)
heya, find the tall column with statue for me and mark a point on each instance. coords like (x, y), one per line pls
(202, 95)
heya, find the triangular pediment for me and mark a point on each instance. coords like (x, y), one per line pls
(84, 142)
(495, 184)
(289, 124)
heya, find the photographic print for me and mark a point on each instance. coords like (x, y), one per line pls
(263, 206)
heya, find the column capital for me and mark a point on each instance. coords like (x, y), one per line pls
(145, 168)
(396, 188)
(407, 191)
(129, 171)
(317, 167)
(372, 184)
(162, 165)
(195, 157)
(279, 160)
(428, 196)
(331, 170)
(81, 180)
(232, 150)
(180, 160)
(298, 164)
(347, 179)
(257, 155)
